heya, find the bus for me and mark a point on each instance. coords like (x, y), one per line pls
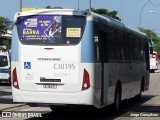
(154, 61)
(4, 65)
(68, 58)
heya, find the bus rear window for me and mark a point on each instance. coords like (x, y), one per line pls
(50, 29)
(3, 61)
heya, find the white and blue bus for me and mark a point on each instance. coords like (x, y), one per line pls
(70, 57)
(4, 65)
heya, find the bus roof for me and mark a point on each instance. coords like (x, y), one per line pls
(116, 24)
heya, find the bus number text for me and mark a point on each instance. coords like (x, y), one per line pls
(64, 66)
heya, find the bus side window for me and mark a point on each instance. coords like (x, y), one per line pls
(96, 43)
(135, 44)
(121, 46)
(146, 55)
(112, 45)
(130, 47)
(141, 48)
(103, 46)
(96, 47)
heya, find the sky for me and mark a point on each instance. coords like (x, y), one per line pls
(129, 10)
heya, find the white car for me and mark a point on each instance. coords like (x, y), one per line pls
(4, 66)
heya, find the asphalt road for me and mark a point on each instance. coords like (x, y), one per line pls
(149, 105)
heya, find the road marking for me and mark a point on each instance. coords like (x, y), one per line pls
(30, 109)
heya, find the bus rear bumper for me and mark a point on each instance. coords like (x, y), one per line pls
(79, 98)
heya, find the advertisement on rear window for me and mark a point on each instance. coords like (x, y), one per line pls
(41, 28)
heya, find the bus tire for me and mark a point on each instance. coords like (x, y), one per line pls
(117, 99)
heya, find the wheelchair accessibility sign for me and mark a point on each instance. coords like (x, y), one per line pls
(27, 65)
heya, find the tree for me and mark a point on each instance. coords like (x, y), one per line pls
(50, 7)
(106, 12)
(98, 11)
(151, 34)
(4, 24)
(155, 38)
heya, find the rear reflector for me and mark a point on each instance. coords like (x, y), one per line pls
(86, 80)
(15, 79)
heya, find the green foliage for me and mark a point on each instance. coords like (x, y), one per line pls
(104, 11)
(148, 32)
(114, 15)
(157, 48)
(50, 7)
(4, 22)
(98, 11)
(6, 43)
(151, 34)
(155, 38)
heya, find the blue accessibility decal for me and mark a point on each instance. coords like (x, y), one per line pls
(27, 65)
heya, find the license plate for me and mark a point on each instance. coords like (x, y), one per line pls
(50, 86)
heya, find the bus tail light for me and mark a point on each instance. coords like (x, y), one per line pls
(86, 80)
(15, 79)
(156, 57)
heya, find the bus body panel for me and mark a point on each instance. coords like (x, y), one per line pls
(78, 98)
(130, 82)
(49, 64)
(66, 95)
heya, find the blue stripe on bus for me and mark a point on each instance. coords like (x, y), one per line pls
(4, 70)
(87, 46)
(15, 46)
